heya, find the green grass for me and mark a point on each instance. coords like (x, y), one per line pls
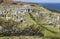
(29, 20)
(21, 37)
(49, 30)
(48, 34)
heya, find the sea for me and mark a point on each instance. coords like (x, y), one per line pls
(53, 6)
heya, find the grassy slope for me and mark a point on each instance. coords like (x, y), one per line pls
(30, 21)
(21, 37)
(48, 33)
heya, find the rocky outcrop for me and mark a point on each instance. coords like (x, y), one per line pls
(50, 18)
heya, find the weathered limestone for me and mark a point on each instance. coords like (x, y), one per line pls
(1, 28)
(7, 18)
(53, 19)
(15, 10)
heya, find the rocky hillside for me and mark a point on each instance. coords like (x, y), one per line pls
(18, 12)
(28, 19)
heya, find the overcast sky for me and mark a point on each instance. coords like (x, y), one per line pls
(43, 1)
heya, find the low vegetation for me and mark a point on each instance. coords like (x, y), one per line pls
(32, 26)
